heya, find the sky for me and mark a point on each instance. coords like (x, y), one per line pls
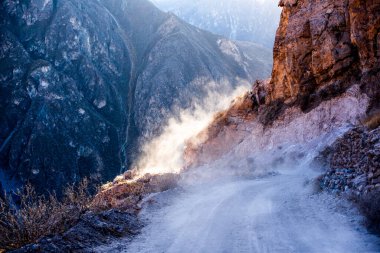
(247, 20)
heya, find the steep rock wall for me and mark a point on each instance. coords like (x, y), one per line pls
(323, 47)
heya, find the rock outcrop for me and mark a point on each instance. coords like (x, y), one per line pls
(324, 50)
(322, 47)
(127, 191)
(81, 81)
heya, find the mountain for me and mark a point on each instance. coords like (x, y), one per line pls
(82, 81)
(246, 20)
(276, 171)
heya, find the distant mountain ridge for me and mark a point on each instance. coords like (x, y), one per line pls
(82, 81)
(246, 20)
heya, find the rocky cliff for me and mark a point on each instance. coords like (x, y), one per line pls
(323, 47)
(325, 51)
(323, 93)
(81, 81)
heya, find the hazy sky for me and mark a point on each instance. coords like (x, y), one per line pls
(252, 20)
(235, 1)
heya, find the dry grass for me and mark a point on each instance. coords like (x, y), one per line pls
(26, 217)
(373, 120)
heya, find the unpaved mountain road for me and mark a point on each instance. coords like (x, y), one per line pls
(279, 213)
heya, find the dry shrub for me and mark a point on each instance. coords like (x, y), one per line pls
(26, 217)
(373, 120)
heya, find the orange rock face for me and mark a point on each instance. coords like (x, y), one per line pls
(323, 46)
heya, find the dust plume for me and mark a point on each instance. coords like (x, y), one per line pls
(164, 154)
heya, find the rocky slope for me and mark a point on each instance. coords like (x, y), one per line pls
(324, 91)
(325, 78)
(353, 163)
(246, 20)
(240, 130)
(82, 80)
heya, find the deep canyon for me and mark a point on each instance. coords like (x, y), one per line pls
(290, 164)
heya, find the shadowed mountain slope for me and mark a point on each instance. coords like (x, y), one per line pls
(81, 81)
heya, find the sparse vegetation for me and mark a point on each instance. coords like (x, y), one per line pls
(26, 217)
(373, 120)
